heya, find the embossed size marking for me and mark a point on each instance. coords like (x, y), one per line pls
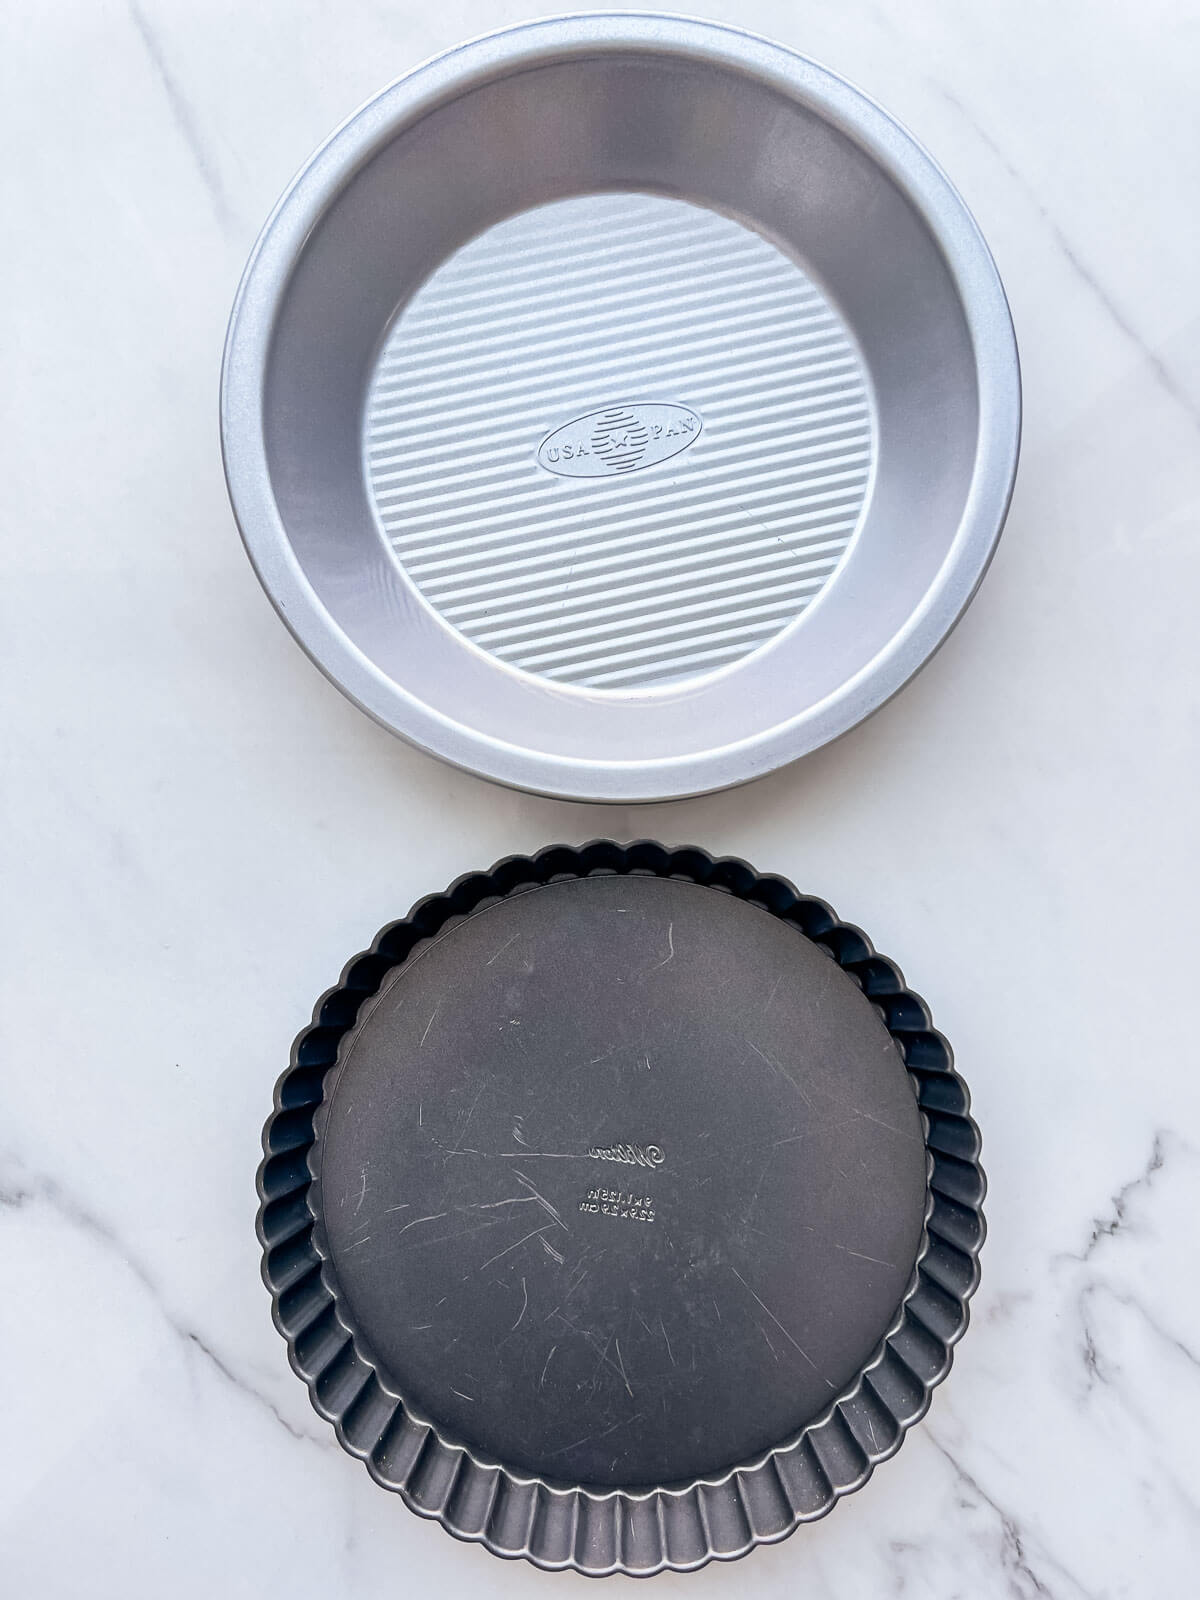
(619, 439)
(619, 1203)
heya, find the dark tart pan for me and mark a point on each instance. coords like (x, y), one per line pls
(620, 1208)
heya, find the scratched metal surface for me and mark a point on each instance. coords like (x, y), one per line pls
(623, 1181)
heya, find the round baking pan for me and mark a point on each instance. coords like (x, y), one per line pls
(620, 406)
(621, 1208)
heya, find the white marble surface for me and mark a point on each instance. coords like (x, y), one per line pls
(198, 830)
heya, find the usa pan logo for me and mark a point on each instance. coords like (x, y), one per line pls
(619, 440)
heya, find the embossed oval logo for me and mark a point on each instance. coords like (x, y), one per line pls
(619, 440)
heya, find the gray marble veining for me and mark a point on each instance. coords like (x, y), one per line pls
(197, 829)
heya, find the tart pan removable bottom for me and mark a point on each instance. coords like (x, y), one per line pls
(620, 1208)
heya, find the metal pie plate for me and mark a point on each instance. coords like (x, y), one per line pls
(620, 407)
(621, 1208)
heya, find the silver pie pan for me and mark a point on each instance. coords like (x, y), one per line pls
(648, 106)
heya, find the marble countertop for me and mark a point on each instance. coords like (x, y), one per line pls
(198, 830)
